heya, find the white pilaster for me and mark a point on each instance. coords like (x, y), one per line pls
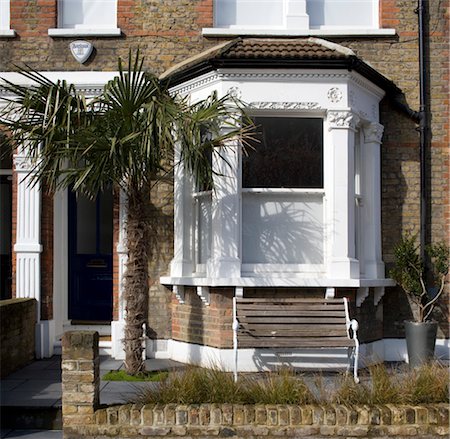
(27, 247)
(225, 261)
(371, 175)
(296, 17)
(342, 127)
(117, 326)
(181, 264)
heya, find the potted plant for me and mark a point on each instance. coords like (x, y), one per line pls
(423, 290)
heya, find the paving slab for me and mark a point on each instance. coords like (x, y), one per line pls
(32, 434)
(8, 385)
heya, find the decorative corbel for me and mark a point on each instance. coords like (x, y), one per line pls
(203, 293)
(178, 290)
(361, 295)
(378, 295)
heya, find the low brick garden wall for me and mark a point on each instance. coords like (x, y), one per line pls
(17, 332)
(83, 417)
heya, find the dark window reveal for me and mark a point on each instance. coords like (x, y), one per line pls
(287, 153)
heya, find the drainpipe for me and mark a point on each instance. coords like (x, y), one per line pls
(423, 121)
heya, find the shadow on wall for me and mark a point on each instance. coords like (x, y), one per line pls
(160, 250)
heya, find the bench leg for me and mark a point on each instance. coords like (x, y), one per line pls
(235, 340)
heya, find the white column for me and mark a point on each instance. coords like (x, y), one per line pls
(28, 249)
(118, 326)
(181, 264)
(342, 127)
(296, 17)
(225, 261)
(371, 175)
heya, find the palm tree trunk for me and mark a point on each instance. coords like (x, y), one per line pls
(136, 277)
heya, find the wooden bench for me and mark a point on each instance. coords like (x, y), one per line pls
(294, 323)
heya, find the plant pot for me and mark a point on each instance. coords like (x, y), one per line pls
(420, 342)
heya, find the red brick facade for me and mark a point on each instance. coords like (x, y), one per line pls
(169, 31)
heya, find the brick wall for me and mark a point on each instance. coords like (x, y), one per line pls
(82, 417)
(193, 322)
(17, 339)
(169, 31)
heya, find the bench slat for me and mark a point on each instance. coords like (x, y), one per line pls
(318, 313)
(242, 300)
(297, 307)
(307, 332)
(316, 320)
(294, 342)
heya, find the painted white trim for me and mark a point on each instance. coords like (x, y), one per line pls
(7, 33)
(45, 338)
(235, 32)
(252, 360)
(290, 281)
(395, 349)
(107, 32)
(91, 83)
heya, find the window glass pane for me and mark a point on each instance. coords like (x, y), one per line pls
(106, 222)
(4, 14)
(339, 13)
(204, 229)
(86, 226)
(87, 13)
(287, 153)
(241, 13)
(279, 229)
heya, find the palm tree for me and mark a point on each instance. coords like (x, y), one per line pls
(126, 138)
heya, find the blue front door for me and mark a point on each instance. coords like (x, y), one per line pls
(90, 257)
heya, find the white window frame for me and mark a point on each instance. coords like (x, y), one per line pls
(5, 19)
(86, 29)
(296, 23)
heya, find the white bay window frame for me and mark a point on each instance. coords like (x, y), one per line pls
(348, 104)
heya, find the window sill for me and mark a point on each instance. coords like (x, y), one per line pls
(7, 33)
(110, 32)
(276, 281)
(234, 32)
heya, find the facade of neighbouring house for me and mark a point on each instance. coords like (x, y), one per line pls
(314, 209)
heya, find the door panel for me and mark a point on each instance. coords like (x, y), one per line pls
(90, 257)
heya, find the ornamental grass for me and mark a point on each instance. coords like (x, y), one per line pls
(379, 385)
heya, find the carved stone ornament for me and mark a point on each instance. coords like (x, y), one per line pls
(285, 105)
(81, 50)
(342, 119)
(22, 163)
(373, 132)
(235, 92)
(334, 95)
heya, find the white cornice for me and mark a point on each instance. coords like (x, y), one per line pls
(90, 83)
(252, 75)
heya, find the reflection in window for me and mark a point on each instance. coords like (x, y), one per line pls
(287, 153)
(4, 14)
(274, 14)
(79, 14)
